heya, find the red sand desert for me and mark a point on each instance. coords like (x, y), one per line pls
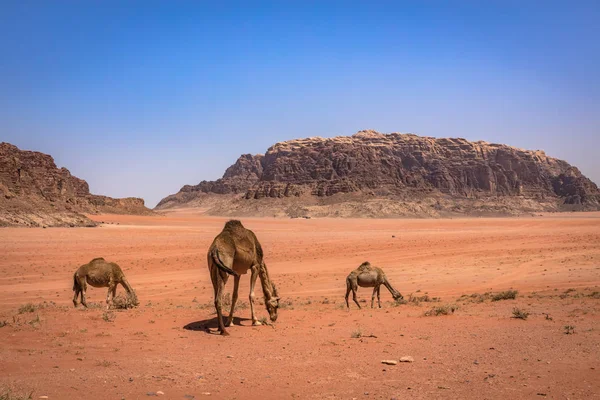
(317, 349)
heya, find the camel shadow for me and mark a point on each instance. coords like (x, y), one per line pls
(211, 326)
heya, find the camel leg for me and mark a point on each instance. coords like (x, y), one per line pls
(373, 296)
(354, 298)
(112, 288)
(378, 296)
(83, 288)
(218, 285)
(348, 289)
(234, 297)
(253, 276)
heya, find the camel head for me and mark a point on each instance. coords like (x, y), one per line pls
(134, 299)
(273, 304)
(397, 296)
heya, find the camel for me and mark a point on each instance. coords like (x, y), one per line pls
(368, 276)
(100, 273)
(233, 252)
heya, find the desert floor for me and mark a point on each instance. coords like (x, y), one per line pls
(316, 348)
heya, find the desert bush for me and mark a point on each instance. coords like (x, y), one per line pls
(27, 308)
(519, 314)
(122, 302)
(9, 395)
(108, 316)
(506, 295)
(3, 324)
(569, 329)
(356, 333)
(441, 310)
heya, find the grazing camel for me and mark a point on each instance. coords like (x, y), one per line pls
(100, 273)
(367, 276)
(233, 252)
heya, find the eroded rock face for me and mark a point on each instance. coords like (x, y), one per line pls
(388, 165)
(33, 191)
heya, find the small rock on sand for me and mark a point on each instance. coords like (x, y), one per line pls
(389, 362)
(160, 393)
(43, 397)
(407, 359)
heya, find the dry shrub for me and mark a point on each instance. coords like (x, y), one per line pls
(506, 295)
(123, 302)
(441, 310)
(519, 314)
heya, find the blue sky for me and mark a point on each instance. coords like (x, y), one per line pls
(142, 97)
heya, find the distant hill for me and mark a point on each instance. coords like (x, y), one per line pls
(371, 174)
(34, 192)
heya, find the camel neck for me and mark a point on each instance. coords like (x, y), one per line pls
(265, 281)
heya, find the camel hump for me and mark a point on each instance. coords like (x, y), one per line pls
(365, 266)
(97, 259)
(233, 223)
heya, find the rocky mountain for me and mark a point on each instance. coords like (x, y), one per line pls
(374, 174)
(34, 192)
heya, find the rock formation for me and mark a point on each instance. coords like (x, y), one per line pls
(405, 174)
(34, 192)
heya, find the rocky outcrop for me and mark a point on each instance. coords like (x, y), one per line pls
(402, 167)
(34, 191)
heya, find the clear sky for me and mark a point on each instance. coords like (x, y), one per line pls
(142, 97)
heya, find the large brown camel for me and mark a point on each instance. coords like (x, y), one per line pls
(233, 252)
(100, 273)
(368, 276)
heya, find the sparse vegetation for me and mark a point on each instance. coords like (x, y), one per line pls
(548, 317)
(121, 302)
(441, 310)
(104, 363)
(506, 295)
(27, 308)
(519, 314)
(421, 299)
(3, 324)
(356, 334)
(35, 321)
(9, 395)
(108, 316)
(569, 329)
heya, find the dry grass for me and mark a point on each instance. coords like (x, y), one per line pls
(7, 394)
(441, 310)
(506, 295)
(519, 314)
(123, 302)
(357, 333)
(27, 308)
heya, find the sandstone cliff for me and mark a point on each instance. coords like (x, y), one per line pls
(34, 192)
(391, 175)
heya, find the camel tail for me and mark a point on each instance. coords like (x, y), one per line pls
(219, 263)
(75, 283)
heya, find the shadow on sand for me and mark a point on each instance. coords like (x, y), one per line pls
(211, 325)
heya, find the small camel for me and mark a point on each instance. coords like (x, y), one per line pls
(100, 273)
(367, 276)
(233, 252)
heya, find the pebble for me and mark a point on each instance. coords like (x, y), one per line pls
(407, 359)
(206, 393)
(43, 397)
(389, 362)
(229, 356)
(160, 393)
